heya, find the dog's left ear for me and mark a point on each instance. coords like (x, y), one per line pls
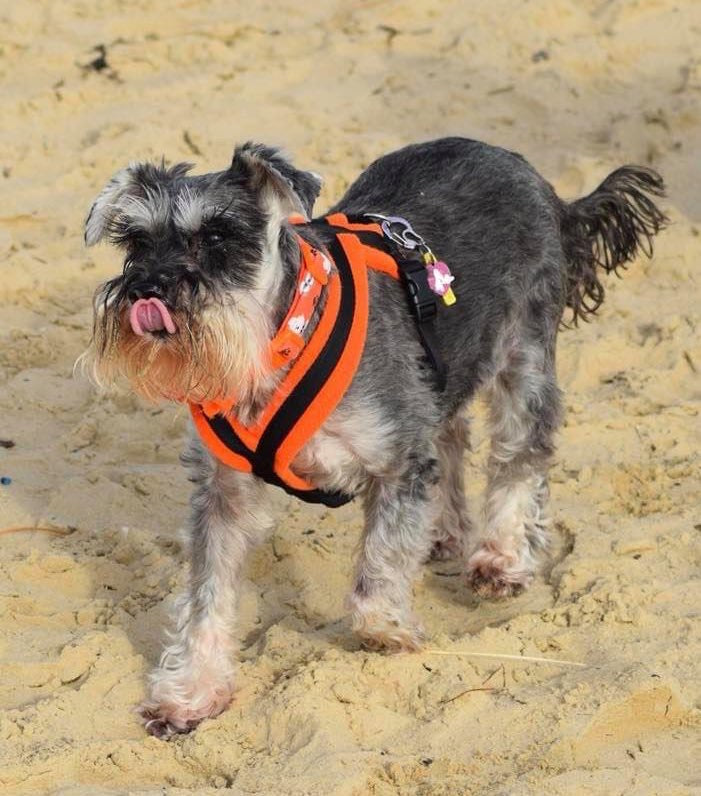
(106, 206)
(268, 172)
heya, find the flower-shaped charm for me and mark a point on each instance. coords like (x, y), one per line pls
(440, 279)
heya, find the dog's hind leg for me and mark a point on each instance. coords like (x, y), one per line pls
(399, 512)
(453, 524)
(524, 412)
(194, 679)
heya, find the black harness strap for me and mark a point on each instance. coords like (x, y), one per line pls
(424, 305)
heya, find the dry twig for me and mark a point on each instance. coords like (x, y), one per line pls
(44, 528)
(499, 655)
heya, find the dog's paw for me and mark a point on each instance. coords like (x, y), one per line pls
(163, 722)
(383, 623)
(392, 639)
(494, 573)
(379, 632)
(173, 709)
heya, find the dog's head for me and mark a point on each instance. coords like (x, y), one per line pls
(205, 260)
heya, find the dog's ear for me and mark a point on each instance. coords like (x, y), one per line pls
(106, 207)
(268, 172)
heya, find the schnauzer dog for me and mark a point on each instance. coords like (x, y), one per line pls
(210, 271)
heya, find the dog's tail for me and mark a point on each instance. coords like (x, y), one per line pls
(606, 230)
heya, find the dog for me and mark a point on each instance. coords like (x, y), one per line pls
(210, 271)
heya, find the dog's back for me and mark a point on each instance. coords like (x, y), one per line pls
(519, 253)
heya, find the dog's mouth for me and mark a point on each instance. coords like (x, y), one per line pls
(170, 350)
(151, 316)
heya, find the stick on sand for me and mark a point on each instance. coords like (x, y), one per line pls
(44, 528)
(525, 658)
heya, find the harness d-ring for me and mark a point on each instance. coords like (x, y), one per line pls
(406, 236)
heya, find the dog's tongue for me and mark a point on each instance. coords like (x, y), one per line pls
(150, 315)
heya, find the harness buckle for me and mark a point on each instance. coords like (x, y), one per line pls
(423, 299)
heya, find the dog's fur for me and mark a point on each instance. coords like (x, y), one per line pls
(218, 250)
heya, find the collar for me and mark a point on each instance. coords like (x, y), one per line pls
(313, 275)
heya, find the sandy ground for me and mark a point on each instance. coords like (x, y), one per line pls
(579, 87)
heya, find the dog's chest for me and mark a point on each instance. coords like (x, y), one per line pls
(354, 444)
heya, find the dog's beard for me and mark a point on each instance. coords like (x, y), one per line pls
(218, 353)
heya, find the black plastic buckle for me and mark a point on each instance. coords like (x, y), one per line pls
(423, 299)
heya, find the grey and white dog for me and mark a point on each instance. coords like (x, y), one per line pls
(218, 252)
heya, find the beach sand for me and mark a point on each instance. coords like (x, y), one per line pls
(578, 87)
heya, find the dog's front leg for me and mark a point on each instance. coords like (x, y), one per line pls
(194, 679)
(399, 514)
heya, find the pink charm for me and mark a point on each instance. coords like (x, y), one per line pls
(439, 277)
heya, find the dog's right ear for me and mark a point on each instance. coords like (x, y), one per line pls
(285, 188)
(107, 205)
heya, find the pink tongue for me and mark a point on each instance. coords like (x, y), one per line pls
(150, 315)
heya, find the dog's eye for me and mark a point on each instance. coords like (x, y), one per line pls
(212, 238)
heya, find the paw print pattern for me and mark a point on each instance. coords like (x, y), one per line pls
(306, 284)
(297, 323)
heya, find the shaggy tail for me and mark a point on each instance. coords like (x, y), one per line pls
(606, 230)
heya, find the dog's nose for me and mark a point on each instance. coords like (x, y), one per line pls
(144, 291)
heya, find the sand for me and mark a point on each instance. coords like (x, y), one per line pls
(577, 87)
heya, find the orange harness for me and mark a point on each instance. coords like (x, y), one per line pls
(321, 369)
